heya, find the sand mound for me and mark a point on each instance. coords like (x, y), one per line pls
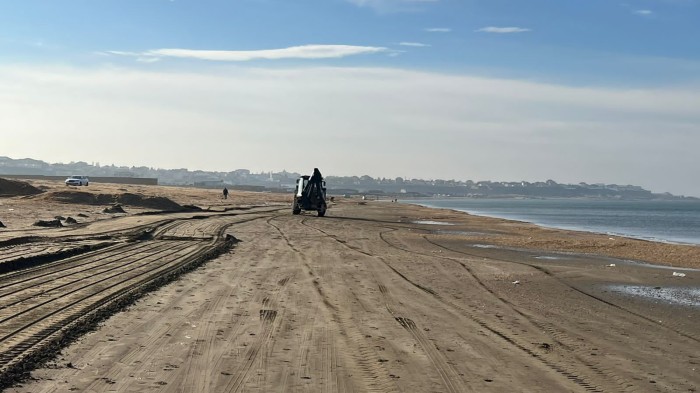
(128, 199)
(9, 188)
(48, 223)
(153, 202)
(114, 209)
(2, 225)
(77, 197)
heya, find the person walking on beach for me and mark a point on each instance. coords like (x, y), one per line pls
(225, 193)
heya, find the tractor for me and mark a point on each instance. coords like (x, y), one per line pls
(310, 194)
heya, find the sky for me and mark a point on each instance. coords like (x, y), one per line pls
(594, 91)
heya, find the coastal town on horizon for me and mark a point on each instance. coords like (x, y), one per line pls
(339, 185)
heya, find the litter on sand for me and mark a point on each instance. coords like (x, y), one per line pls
(676, 274)
(516, 282)
(611, 265)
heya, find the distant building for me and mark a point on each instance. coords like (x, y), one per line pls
(209, 183)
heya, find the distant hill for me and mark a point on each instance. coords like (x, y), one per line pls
(337, 185)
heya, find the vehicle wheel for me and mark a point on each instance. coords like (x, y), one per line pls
(296, 209)
(86, 184)
(322, 211)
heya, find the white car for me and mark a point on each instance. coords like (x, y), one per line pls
(77, 181)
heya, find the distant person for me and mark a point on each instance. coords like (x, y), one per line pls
(225, 193)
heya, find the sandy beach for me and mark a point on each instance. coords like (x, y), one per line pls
(374, 297)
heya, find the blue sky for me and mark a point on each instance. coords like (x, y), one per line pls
(570, 90)
(596, 41)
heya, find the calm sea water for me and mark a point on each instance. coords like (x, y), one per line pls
(670, 221)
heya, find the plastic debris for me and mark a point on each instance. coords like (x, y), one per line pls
(611, 265)
(516, 282)
(676, 274)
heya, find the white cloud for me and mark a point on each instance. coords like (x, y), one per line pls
(294, 52)
(503, 30)
(438, 30)
(414, 44)
(378, 121)
(147, 59)
(644, 12)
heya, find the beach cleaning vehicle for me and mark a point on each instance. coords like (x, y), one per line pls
(310, 194)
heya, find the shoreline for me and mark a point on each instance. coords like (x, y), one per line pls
(502, 232)
(571, 229)
(654, 239)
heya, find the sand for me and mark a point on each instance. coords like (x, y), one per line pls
(366, 299)
(10, 188)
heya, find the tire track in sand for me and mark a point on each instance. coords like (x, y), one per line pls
(508, 338)
(570, 372)
(448, 375)
(362, 356)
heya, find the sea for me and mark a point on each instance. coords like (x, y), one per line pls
(672, 221)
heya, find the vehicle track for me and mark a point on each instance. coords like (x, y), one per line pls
(581, 357)
(197, 377)
(47, 306)
(572, 369)
(20, 333)
(270, 314)
(547, 272)
(28, 256)
(580, 351)
(135, 231)
(51, 286)
(364, 358)
(511, 339)
(255, 356)
(241, 375)
(145, 232)
(22, 251)
(450, 380)
(60, 270)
